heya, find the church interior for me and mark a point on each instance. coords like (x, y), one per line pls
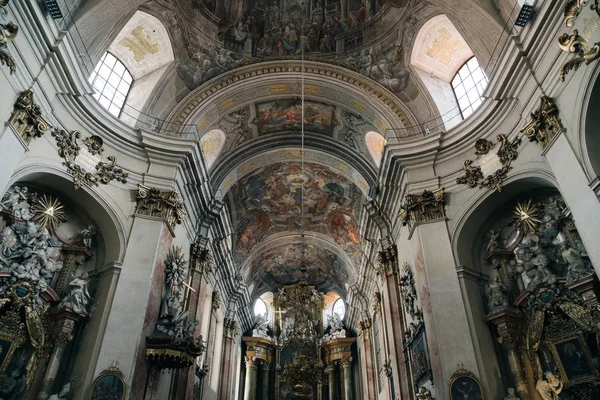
(300, 200)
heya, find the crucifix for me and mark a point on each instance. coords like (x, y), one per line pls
(279, 317)
(188, 288)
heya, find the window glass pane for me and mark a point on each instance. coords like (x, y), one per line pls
(110, 60)
(469, 84)
(339, 308)
(260, 308)
(119, 69)
(111, 83)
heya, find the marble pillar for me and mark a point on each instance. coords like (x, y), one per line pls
(346, 364)
(443, 305)
(577, 193)
(135, 294)
(394, 322)
(250, 382)
(332, 381)
(227, 365)
(265, 369)
(368, 368)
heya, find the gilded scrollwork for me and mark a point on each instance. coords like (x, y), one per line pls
(8, 33)
(27, 118)
(161, 204)
(579, 46)
(544, 123)
(477, 172)
(83, 161)
(424, 207)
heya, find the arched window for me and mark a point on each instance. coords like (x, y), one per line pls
(111, 82)
(468, 85)
(339, 308)
(260, 308)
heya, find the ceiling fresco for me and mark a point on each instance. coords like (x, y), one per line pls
(282, 115)
(281, 265)
(269, 200)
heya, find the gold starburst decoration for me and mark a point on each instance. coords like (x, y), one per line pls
(48, 211)
(527, 216)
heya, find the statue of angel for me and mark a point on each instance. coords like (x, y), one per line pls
(550, 387)
(78, 296)
(62, 395)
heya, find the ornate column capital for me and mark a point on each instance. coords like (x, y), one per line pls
(364, 328)
(544, 124)
(509, 325)
(216, 300)
(265, 365)
(200, 259)
(421, 208)
(160, 204)
(346, 362)
(250, 361)
(27, 118)
(387, 261)
(376, 303)
(231, 328)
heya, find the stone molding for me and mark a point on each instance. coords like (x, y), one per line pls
(160, 204)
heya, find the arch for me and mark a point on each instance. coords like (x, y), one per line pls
(590, 120)
(375, 144)
(212, 143)
(110, 225)
(143, 45)
(438, 53)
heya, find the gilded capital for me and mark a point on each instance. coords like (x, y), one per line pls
(250, 362)
(27, 118)
(231, 328)
(160, 204)
(544, 123)
(364, 328)
(346, 362)
(387, 261)
(200, 259)
(216, 300)
(424, 207)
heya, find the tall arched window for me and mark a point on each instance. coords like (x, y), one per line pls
(260, 308)
(339, 308)
(468, 85)
(111, 82)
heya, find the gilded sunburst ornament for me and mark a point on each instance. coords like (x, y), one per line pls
(527, 216)
(48, 211)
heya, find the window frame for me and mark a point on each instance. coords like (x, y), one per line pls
(100, 92)
(475, 87)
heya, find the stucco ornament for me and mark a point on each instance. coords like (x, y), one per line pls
(335, 328)
(544, 123)
(27, 118)
(549, 387)
(78, 296)
(8, 33)
(577, 267)
(261, 327)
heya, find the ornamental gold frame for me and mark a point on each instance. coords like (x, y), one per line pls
(588, 356)
(112, 371)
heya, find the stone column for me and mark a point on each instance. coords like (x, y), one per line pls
(26, 124)
(393, 321)
(230, 331)
(546, 129)
(265, 369)
(136, 301)
(441, 298)
(332, 381)
(250, 383)
(368, 371)
(64, 324)
(347, 376)
(510, 331)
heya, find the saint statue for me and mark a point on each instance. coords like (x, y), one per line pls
(550, 387)
(78, 296)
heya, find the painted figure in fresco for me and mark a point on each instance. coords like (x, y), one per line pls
(550, 387)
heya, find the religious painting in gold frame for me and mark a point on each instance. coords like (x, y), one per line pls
(8, 344)
(574, 360)
(109, 385)
(464, 385)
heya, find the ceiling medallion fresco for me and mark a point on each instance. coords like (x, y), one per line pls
(282, 115)
(272, 29)
(281, 265)
(269, 201)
